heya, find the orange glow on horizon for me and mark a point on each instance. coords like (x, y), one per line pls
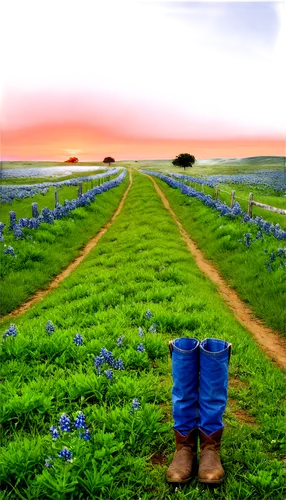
(54, 118)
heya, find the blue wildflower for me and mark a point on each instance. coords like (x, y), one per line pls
(80, 421)
(109, 374)
(48, 463)
(98, 361)
(135, 405)
(1, 231)
(268, 265)
(35, 210)
(54, 432)
(281, 252)
(66, 454)
(148, 314)
(10, 332)
(272, 256)
(141, 332)
(247, 237)
(119, 341)
(78, 340)
(9, 251)
(118, 365)
(140, 348)
(64, 423)
(258, 235)
(107, 356)
(50, 327)
(86, 435)
(18, 232)
(12, 219)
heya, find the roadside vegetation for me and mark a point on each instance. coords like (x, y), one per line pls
(141, 263)
(47, 250)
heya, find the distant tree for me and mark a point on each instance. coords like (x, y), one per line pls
(184, 160)
(108, 160)
(72, 159)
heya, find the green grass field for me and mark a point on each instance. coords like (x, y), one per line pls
(140, 263)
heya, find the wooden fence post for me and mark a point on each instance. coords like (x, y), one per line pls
(232, 199)
(250, 200)
(203, 189)
(56, 198)
(216, 192)
(79, 193)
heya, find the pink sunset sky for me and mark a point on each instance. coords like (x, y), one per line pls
(90, 117)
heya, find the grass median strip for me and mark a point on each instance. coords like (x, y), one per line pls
(141, 263)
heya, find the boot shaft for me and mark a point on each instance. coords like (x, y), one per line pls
(200, 376)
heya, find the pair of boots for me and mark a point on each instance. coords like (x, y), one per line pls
(199, 396)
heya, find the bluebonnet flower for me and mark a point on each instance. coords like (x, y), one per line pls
(47, 216)
(135, 405)
(109, 374)
(119, 341)
(141, 332)
(66, 454)
(272, 256)
(247, 237)
(107, 356)
(1, 231)
(258, 235)
(10, 332)
(118, 365)
(148, 314)
(18, 232)
(85, 435)
(98, 361)
(12, 219)
(80, 421)
(9, 251)
(23, 222)
(78, 340)
(54, 432)
(50, 327)
(140, 348)
(281, 252)
(268, 265)
(35, 210)
(48, 462)
(152, 328)
(64, 423)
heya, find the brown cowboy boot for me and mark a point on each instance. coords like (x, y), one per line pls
(184, 464)
(210, 468)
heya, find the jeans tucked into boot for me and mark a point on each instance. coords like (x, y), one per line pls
(185, 371)
(213, 384)
(200, 375)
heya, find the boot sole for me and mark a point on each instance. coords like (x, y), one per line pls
(180, 482)
(214, 481)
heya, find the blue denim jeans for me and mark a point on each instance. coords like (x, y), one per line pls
(200, 375)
